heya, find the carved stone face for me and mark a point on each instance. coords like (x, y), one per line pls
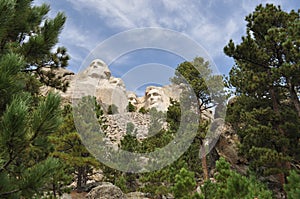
(99, 70)
(132, 98)
(153, 97)
(116, 82)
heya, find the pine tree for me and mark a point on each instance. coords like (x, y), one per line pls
(70, 150)
(229, 184)
(292, 188)
(266, 81)
(184, 184)
(208, 90)
(27, 31)
(27, 37)
(160, 182)
(112, 109)
(131, 108)
(25, 165)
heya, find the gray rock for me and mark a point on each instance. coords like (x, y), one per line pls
(137, 195)
(106, 191)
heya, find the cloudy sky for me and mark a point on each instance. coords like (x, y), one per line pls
(210, 23)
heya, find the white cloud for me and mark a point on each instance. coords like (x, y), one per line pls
(190, 18)
(210, 23)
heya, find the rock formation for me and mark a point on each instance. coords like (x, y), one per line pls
(96, 80)
(106, 191)
(64, 75)
(227, 147)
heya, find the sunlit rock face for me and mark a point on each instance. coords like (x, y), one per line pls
(159, 97)
(155, 98)
(64, 75)
(96, 80)
(132, 98)
(97, 70)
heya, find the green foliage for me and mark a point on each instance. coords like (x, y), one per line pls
(143, 110)
(112, 109)
(174, 116)
(208, 90)
(130, 128)
(159, 183)
(70, 149)
(130, 143)
(24, 141)
(292, 188)
(27, 119)
(26, 31)
(184, 184)
(195, 75)
(60, 179)
(266, 80)
(131, 107)
(230, 184)
(121, 183)
(208, 87)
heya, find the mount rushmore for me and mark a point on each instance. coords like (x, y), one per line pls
(96, 80)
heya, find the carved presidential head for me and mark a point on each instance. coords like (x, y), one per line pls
(98, 69)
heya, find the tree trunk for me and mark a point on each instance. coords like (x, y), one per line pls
(275, 103)
(79, 179)
(294, 97)
(204, 162)
(84, 175)
(203, 150)
(54, 190)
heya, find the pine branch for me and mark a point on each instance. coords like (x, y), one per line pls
(10, 192)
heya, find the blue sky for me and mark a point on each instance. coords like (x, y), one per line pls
(210, 23)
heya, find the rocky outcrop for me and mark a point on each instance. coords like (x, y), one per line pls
(137, 195)
(158, 97)
(227, 147)
(96, 80)
(65, 76)
(106, 191)
(119, 125)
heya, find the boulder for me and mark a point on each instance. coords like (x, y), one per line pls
(137, 195)
(227, 145)
(106, 191)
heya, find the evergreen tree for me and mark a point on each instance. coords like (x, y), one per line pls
(159, 183)
(292, 188)
(208, 89)
(26, 30)
(266, 81)
(25, 166)
(71, 151)
(112, 109)
(184, 184)
(143, 110)
(131, 107)
(229, 184)
(59, 181)
(27, 37)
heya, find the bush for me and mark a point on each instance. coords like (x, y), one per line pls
(112, 109)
